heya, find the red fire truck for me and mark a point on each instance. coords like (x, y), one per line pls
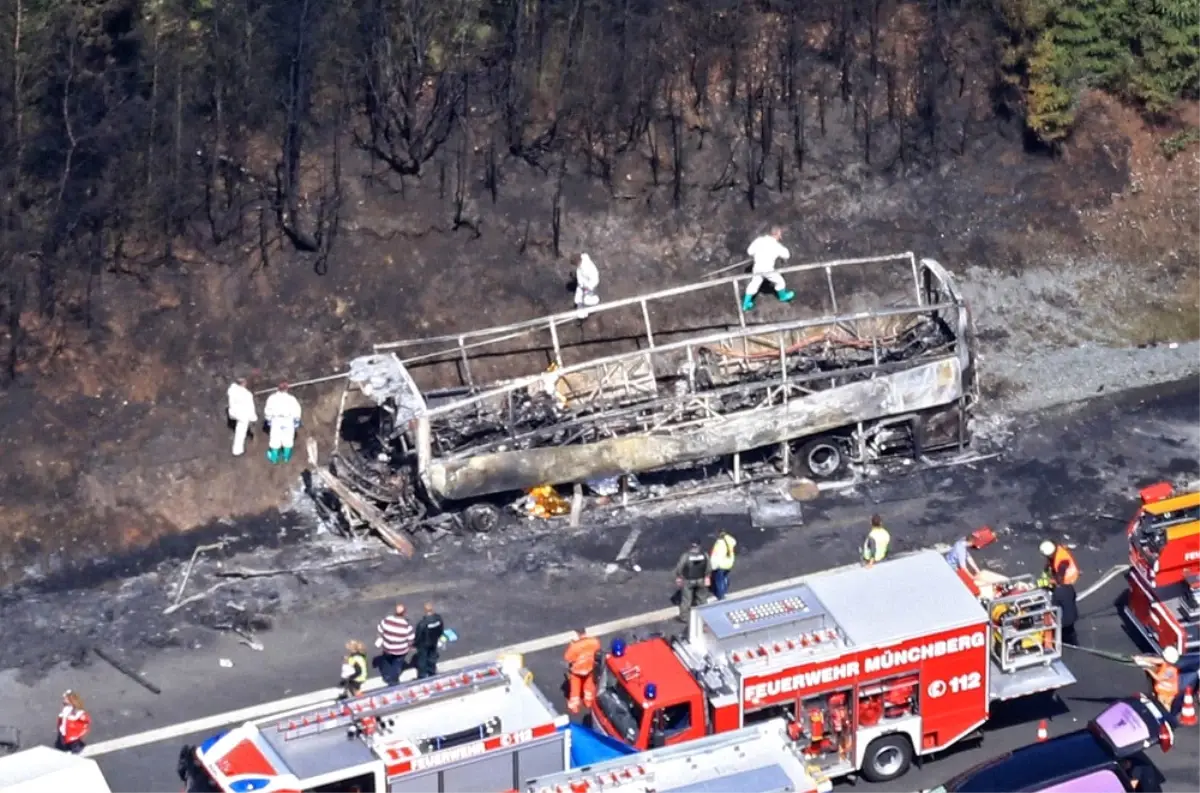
(482, 728)
(873, 665)
(1163, 603)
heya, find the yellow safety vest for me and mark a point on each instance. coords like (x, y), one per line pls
(359, 662)
(879, 535)
(723, 554)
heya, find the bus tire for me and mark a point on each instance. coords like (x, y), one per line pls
(822, 457)
(887, 757)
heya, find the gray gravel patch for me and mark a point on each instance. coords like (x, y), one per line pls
(1065, 332)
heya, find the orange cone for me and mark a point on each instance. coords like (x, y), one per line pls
(1187, 714)
(1043, 730)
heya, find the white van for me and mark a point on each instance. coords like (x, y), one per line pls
(45, 770)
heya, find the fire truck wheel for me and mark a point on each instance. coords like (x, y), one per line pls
(887, 758)
(822, 458)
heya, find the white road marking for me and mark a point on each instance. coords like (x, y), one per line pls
(1112, 573)
(302, 701)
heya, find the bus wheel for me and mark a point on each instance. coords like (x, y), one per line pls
(887, 758)
(822, 458)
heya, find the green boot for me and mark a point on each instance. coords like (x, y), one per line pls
(747, 302)
(785, 296)
(287, 454)
(273, 456)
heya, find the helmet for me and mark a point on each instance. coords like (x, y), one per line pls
(1047, 548)
(1170, 655)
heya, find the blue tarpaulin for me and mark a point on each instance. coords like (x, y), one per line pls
(589, 747)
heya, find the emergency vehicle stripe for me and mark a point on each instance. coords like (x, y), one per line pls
(583, 782)
(456, 753)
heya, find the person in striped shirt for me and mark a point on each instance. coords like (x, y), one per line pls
(395, 640)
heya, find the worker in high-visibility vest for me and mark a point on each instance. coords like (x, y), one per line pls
(580, 656)
(1165, 674)
(1057, 556)
(721, 559)
(354, 669)
(875, 547)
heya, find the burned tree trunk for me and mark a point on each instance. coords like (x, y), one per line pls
(411, 100)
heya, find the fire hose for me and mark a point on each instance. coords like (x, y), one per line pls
(1106, 654)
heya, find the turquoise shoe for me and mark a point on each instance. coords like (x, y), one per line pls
(786, 296)
(748, 303)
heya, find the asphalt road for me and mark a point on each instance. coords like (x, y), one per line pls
(1062, 473)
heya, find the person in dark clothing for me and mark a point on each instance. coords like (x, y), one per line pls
(429, 633)
(1064, 597)
(1142, 776)
(692, 577)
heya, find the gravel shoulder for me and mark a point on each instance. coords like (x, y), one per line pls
(1058, 334)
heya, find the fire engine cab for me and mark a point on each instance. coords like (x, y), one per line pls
(872, 665)
(759, 759)
(1163, 603)
(483, 728)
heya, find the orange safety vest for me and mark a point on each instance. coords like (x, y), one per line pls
(1059, 556)
(581, 655)
(1166, 683)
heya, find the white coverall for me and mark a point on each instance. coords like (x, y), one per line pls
(587, 281)
(282, 412)
(243, 414)
(765, 250)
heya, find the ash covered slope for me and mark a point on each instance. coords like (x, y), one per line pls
(115, 431)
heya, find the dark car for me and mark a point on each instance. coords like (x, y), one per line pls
(1107, 756)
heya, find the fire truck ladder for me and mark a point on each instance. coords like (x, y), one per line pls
(633, 778)
(1026, 629)
(388, 702)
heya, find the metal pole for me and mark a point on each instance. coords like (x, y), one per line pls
(715, 273)
(337, 426)
(646, 319)
(462, 348)
(554, 341)
(829, 280)
(916, 278)
(313, 381)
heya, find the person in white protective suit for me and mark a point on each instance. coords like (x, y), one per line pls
(587, 281)
(242, 413)
(765, 251)
(282, 413)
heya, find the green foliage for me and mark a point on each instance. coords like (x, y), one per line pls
(1144, 50)
(1049, 103)
(1178, 143)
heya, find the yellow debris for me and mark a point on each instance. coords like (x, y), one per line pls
(544, 502)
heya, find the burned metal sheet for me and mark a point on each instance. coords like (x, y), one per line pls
(386, 381)
(926, 386)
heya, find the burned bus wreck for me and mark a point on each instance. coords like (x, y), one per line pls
(873, 359)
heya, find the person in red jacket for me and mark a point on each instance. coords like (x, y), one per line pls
(74, 723)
